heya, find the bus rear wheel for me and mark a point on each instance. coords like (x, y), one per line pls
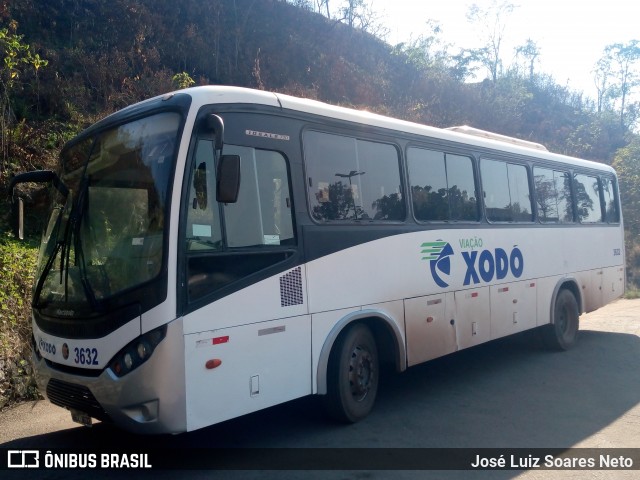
(562, 333)
(352, 375)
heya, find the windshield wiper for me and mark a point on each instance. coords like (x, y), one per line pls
(45, 272)
(75, 219)
(63, 248)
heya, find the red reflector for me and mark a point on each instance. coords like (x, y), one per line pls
(502, 290)
(211, 364)
(532, 284)
(219, 340)
(474, 294)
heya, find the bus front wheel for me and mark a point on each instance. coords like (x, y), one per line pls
(352, 375)
(562, 333)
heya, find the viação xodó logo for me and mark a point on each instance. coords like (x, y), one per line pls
(482, 266)
(438, 253)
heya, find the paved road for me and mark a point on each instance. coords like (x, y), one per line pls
(507, 394)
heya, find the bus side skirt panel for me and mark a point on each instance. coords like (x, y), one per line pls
(238, 370)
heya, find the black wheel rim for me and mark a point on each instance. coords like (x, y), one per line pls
(562, 320)
(565, 321)
(361, 373)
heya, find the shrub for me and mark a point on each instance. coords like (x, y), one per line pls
(17, 268)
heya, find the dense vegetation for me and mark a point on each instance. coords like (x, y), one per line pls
(70, 62)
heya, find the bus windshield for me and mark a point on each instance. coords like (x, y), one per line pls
(107, 235)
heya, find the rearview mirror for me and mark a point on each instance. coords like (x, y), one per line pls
(228, 179)
(17, 203)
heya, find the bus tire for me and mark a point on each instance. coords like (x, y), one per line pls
(352, 375)
(562, 333)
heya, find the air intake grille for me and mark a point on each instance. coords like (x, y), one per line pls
(291, 288)
(77, 397)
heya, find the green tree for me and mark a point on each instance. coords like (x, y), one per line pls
(428, 50)
(182, 80)
(491, 24)
(17, 58)
(530, 53)
(38, 63)
(620, 63)
(627, 165)
(601, 79)
(361, 15)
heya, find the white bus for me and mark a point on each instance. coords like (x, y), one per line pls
(218, 250)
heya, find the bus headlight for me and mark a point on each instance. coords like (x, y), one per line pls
(137, 352)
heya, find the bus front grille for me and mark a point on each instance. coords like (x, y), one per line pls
(76, 397)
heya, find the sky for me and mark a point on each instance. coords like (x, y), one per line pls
(571, 34)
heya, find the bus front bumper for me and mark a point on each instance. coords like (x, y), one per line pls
(148, 400)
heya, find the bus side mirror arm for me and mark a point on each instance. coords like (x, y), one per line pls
(228, 179)
(228, 169)
(17, 217)
(39, 176)
(215, 125)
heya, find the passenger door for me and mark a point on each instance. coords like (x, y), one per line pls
(225, 244)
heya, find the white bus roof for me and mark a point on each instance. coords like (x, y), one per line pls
(465, 135)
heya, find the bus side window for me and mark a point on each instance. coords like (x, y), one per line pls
(442, 186)
(612, 214)
(428, 178)
(587, 188)
(507, 197)
(351, 179)
(553, 195)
